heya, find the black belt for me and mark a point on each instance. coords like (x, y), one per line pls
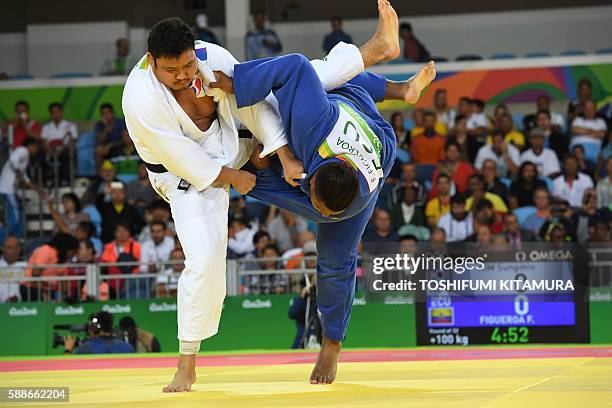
(156, 168)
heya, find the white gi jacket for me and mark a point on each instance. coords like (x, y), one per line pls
(164, 134)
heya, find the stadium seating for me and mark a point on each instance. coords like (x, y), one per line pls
(604, 51)
(522, 213)
(86, 154)
(468, 57)
(503, 55)
(591, 150)
(538, 54)
(72, 75)
(573, 52)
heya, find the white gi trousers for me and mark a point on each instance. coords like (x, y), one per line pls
(200, 219)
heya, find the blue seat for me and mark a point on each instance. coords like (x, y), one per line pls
(21, 77)
(548, 181)
(408, 123)
(72, 75)
(538, 54)
(86, 154)
(591, 150)
(522, 213)
(573, 52)
(502, 55)
(95, 217)
(604, 51)
(424, 172)
(126, 178)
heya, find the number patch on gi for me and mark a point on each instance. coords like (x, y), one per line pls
(353, 141)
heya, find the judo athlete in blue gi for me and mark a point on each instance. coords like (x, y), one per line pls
(347, 149)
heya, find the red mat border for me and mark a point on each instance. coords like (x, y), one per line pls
(348, 356)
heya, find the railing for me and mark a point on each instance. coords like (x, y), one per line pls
(95, 281)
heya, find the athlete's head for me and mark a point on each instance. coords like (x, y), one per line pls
(171, 53)
(333, 188)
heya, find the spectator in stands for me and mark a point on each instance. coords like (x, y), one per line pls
(572, 184)
(409, 179)
(484, 237)
(418, 117)
(86, 254)
(541, 199)
(381, 230)
(159, 210)
(167, 281)
(59, 250)
(554, 231)
(402, 135)
(86, 231)
(11, 266)
(439, 205)
(600, 232)
(122, 63)
(68, 221)
(516, 235)
(457, 224)
(108, 132)
(544, 158)
(100, 338)
(141, 340)
(438, 237)
(14, 171)
(260, 240)
(262, 42)
(575, 108)
(22, 126)
(459, 171)
(122, 249)
(139, 192)
(604, 188)
(59, 136)
(284, 226)
(117, 211)
(493, 184)
(557, 123)
(500, 110)
(202, 32)
(155, 251)
(584, 165)
(407, 211)
(477, 121)
(428, 148)
(554, 138)
(506, 156)
(585, 217)
(468, 145)
(240, 238)
(444, 113)
(337, 34)
(414, 50)
(590, 128)
(478, 193)
(522, 189)
(511, 136)
(99, 189)
(273, 283)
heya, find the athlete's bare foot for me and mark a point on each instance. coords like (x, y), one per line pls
(324, 371)
(384, 44)
(185, 375)
(410, 90)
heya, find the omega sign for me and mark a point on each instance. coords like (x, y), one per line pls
(538, 256)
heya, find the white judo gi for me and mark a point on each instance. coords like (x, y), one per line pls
(164, 134)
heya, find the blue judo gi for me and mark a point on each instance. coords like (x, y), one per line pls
(309, 114)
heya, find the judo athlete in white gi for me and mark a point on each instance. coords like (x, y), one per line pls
(185, 131)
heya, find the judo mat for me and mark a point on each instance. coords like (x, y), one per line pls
(529, 376)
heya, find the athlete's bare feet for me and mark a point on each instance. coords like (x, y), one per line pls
(324, 371)
(410, 90)
(384, 44)
(185, 375)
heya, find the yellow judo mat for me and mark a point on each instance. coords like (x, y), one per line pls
(524, 382)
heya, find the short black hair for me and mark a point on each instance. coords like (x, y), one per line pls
(55, 105)
(102, 321)
(405, 27)
(465, 99)
(259, 235)
(543, 112)
(458, 198)
(88, 228)
(160, 223)
(29, 141)
(459, 117)
(22, 103)
(107, 105)
(478, 102)
(75, 200)
(336, 185)
(483, 204)
(170, 38)
(336, 18)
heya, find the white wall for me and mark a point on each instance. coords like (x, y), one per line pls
(55, 48)
(48, 49)
(520, 32)
(13, 55)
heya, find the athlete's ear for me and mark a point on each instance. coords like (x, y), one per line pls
(150, 59)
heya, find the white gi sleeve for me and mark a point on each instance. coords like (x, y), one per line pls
(153, 127)
(261, 119)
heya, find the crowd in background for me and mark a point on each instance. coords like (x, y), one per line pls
(460, 175)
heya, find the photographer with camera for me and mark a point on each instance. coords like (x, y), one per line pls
(100, 340)
(303, 309)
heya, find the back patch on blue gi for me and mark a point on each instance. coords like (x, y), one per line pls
(201, 54)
